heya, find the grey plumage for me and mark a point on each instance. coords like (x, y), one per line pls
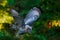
(32, 16)
(27, 22)
(14, 13)
(17, 19)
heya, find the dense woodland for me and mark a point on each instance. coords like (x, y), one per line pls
(45, 28)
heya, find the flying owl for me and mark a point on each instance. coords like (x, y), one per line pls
(24, 25)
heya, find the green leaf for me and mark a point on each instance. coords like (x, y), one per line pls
(11, 2)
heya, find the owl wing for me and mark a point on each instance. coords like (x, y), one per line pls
(18, 20)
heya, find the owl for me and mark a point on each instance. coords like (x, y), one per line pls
(25, 25)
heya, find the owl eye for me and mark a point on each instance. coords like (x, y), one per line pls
(35, 17)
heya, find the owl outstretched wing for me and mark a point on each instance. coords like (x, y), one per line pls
(17, 19)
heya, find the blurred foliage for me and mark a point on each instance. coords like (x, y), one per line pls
(50, 10)
(11, 2)
(4, 14)
(3, 2)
